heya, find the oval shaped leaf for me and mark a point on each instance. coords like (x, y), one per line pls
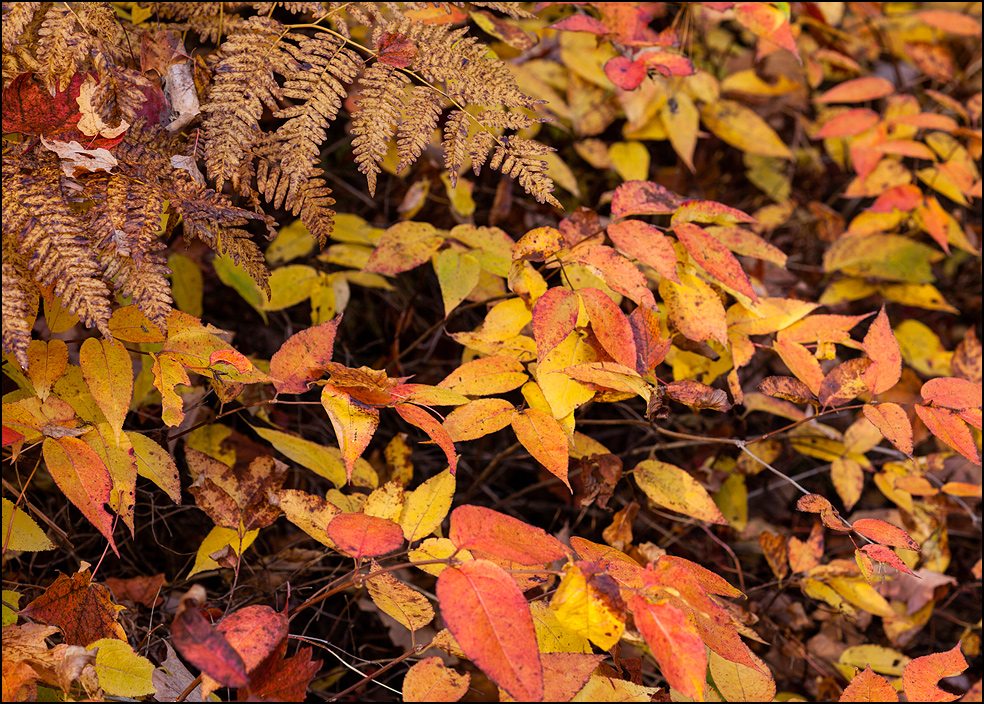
(359, 535)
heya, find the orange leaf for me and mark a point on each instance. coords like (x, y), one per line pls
(621, 275)
(359, 535)
(564, 674)
(610, 325)
(715, 258)
(774, 547)
(884, 533)
(844, 382)
(354, 424)
(869, 687)
(886, 555)
(858, 90)
(893, 422)
(952, 392)
(404, 246)
(488, 615)
(650, 346)
(647, 243)
(302, 358)
(254, 632)
(805, 555)
(768, 22)
(643, 198)
(204, 647)
(920, 677)
(83, 478)
(479, 418)
(709, 581)
(415, 415)
(952, 22)
(554, 316)
(486, 376)
(951, 429)
(695, 309)
(84, 611)
(544, 438)
(428, 680)
(678, 649)
(849, 124)
(478, 528)
(883, 349)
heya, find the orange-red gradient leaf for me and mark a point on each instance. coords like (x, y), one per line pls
(881, 553)
(302, 358)
(951, 429)
(544, 438)
(415, 415)
(884, 533)
(893, 422)
(479, 417)
(428, 680)
(643, 198)
(554, 316)
(207, 649)
(479, 528)
(868, 686)
(488, 615)
(952, 392)
(359, 535)
(610, 325)
(678, 649)
(716, 259)
(647, 243)
(844, 382)
(83, 478)
(920, 677)
(858, 90)
(883, 349)
(254, 632)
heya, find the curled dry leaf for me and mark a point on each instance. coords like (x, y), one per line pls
(698, 395)
(787, 388)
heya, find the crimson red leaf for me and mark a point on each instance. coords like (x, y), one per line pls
(625, 73)
(205, 648)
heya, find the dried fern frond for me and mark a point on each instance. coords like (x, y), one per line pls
(423, 110)
(517, 158)
(20, 303)
(455, 143)
(375, 122)
(16, 17)
(62, 47)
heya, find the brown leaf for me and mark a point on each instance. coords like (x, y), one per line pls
(774, 547)
(139, 590)
(787, 388)
(282, 679)
(83, 610)
(233, 494)
(843, 383)
(698, 395)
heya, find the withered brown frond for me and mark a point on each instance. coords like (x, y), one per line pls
(380, 101)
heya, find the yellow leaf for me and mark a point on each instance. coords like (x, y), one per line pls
(187, 284)
(891, 257)
(217, 539)
(925, 296)
(553, 636)
(630, 160)
(427, 505)
(436, 549)
(309, 512)
(46, 362)
(583, 54)
(602, 688)
(460, 195)
(738, 682)
(235, 277)
(108, 372)
(121, 672)
(588, 605)
(385, 502)
(24, 534)
(741, 127)
(732, 500)
(922, 349)
(682, 121)
(289, 285)
(671, 487)
(562, 393)
(884, 661)
(457, 274)
(561, 173)
(695, 309)
(353, 422)
(293, 241)
(396, 599)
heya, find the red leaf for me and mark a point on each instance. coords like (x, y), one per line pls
(489, 617)
(621, 275)
(883, 349)
(886, 555)
(951, 429)
(767, 21)
(282, 679)
(610, 325)
(625, 73)
(83, 610)
(430, 425)
(478, 528)
(667, 62)
(678, 649)
(643, 198)
(647, 243)
(204, 647)
(545, 439)
(715, 258)
(920, 677)
(395, 50)
(554, 317)
(254, 632)
(858, 90)
(302, 358)
(30, 109)
(359, 535)
(884, 533)
(581, 23)
(869, 687)
(952, 392)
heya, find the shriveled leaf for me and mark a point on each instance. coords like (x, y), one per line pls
(671, 487)
(486, 612)
(697, 395)
(787, 388)
(359, 535)
(404, 246)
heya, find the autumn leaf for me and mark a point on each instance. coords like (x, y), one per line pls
(82, 609)
(951, 429)
(254, 632)
(302, 358)
(236, 497)
(282, 679)
(921, 675)
(354, 424)
(671, 487)
(676, 645)
(488, 616)
(403, 247)
(478, 528)
(479, 418)
(884, 533)
(643, 198)
(844, 382)
(858, 90)
(697, 395)
(359, 535)
(486, 376)
(647, 243)
(398, 600)
(893, 422)
(428, 680)
(867, 686)
(952, 392)
(788, 388)
(554, 316)
(588, 602)
(610, 325)
(415, 415)
(880, 553)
